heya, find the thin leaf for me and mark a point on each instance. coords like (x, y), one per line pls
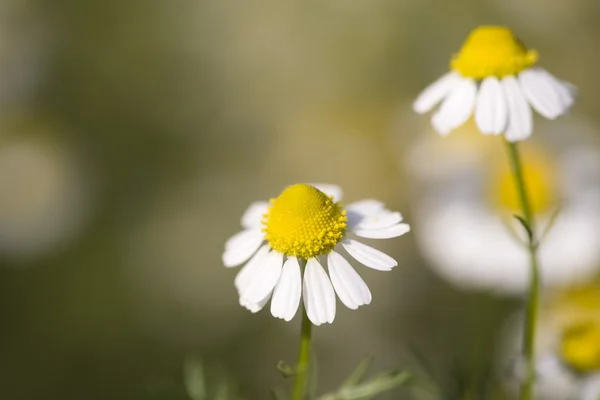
(550, 223)
(360, 370)
(368, 390)
(525, 225)
(222, 392)
(193, 375)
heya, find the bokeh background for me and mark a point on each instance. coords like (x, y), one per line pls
(134, 133)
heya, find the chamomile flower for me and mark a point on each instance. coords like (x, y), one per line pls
(567, 344)
(495, 77)
(467, 199)
(307, 224)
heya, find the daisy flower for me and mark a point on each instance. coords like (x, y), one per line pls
(465, 208)
(495, 77)
(567, 344)
(307, 225)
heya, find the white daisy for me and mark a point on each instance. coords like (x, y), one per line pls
(494, 76)
(567, 345)
(306, 225)
(466, 202)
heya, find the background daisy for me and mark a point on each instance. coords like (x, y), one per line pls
(567, 345)
(466, 229)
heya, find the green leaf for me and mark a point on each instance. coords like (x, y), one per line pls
(359, 372)
(222, 392)
(373, 387)
(551, 223)
(193, 376)
(527, 228)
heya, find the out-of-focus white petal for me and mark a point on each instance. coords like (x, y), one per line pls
(241, 246)
(262, 282)
(385, 233)
(456, 108)
(590, 388)
(369, 256)
(349, 286)
(520, 120)
(330, 190)
(357, 211)
(566, 91)
(251, 268)
(254, 307)
(540, 91)
(318, 294)
(491, 112)
(286, 296)
(435, 92)
(253, 216)
(367, 206)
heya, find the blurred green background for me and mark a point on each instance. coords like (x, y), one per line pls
(134, 133)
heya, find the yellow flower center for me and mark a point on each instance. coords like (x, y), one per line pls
(492, 51)
(304, 222)
(580, 346)
(539, 181)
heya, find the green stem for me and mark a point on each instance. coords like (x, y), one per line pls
(527, 385)
(303, 365)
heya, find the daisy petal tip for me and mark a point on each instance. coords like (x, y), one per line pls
(419, 108)
(228, 261)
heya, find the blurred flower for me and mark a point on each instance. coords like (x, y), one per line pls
(466, 203)
(45, 190)
(305, 223)
(494, 76)
(568, 344)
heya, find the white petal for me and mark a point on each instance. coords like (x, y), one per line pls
(567, 92)
(286, 296)
(541, 94)
(349, 286)
(385, 233)
(240, 247)
(253, 216)
(491, 113)
(330, 190)
(590, 387)
(456, 108)
(264, 280)
(520, 120)
(251, 268)
(435, 92)
(381, 220)
(367, 206)
(369, 256)
(318, 294)
(254, 307)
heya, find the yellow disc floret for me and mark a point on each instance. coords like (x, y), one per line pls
(580, 346)
(304, 222)
(492, 51)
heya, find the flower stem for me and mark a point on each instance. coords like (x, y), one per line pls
(303, 365)
(527, 385)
